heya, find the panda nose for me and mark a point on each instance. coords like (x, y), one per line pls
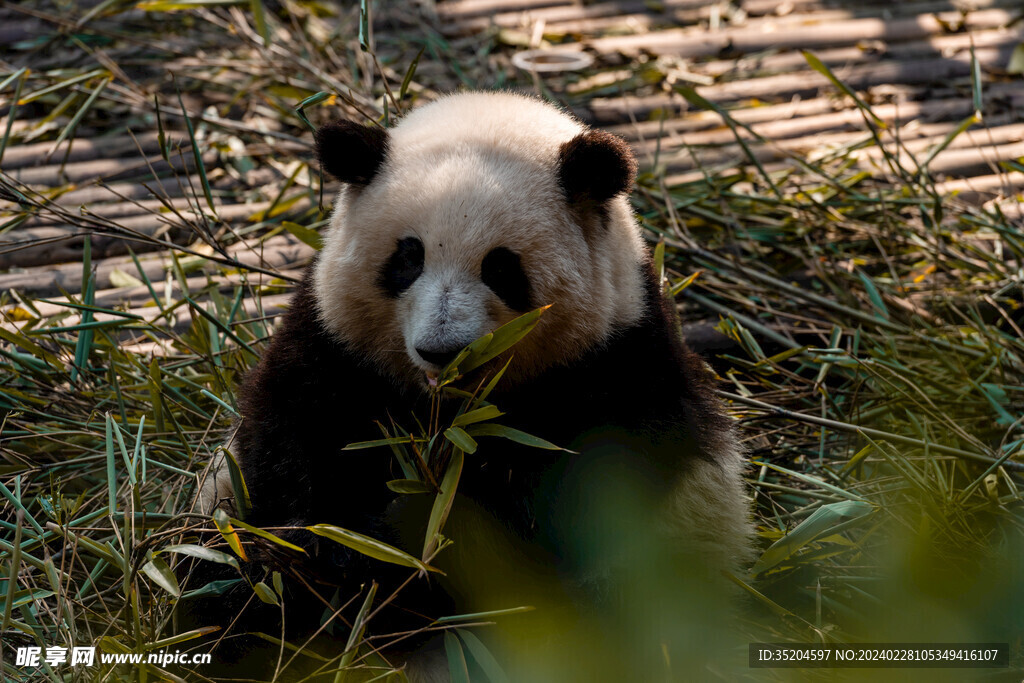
(441, 357)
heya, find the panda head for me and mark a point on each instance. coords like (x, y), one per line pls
(473, 210)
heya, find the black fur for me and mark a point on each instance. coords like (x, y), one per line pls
(402, 268)
(351, 152)
(594, 167)
(502, 271)
(641, 408)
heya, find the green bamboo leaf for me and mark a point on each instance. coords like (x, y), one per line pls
(18, 505)
(87, 333)
(57, 87)
(370, 547)
(101, 550)
(691, 96)
(459, 437)
(84, 343)
(364, 25)
(678, 287)
(514, 435)
(483, 616)
(964, 125)
(223, 524)
(264, 593)
(820, 67)
(478, 415)
(873, 294)
(181, 638)
(842, 493)
(265, 535)
(493, 383)
(221, 327)
(243, 504)
(202, 553)
(69, 130)
(659, 260)
(304, 234)
(12, 575)
(21, 75)
(178, 5)
(391, 441)
(482, 656)
(458, 671)
(409, 486)
(826, 521)
(212, 589)
(197, 157)
(20, 340)
(161, 574)
(409, 73)
(443, 502)
(501, 339)
(259, 17)
(219, 401)
(28, 596)
(95, 309)
(1016, 63)
(300, 108)
(358, 628)
(111, 477)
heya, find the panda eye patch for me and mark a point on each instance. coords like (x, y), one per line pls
(503, 272)
(402, 268)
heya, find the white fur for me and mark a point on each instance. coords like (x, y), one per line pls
(215, 485)
(464, 175)
(709, 512)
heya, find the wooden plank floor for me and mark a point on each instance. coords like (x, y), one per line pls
(911, 60)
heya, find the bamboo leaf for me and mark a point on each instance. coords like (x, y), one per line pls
(482, 656)
(265, 535)
(264, 593)
(304, 234)
(478, 415)
(391, 441)
(223, 524)
(181, 638)
(443, 502)
(212, 589)
(501, 340)
(820, 67)
(514, 435)
(409, 73)
(161, 574)
(459, 437)
(825, 521)
(458, 671)
(202, 553)
(409, 486)
(370, 547)
(300, 108)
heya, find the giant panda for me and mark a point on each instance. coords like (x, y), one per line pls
(474, 209)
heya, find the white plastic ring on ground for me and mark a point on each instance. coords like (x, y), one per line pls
(551, 60)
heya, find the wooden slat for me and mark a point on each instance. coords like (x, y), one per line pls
(794, 33)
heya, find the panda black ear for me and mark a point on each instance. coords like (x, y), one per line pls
(595, 166)
(351, 152)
